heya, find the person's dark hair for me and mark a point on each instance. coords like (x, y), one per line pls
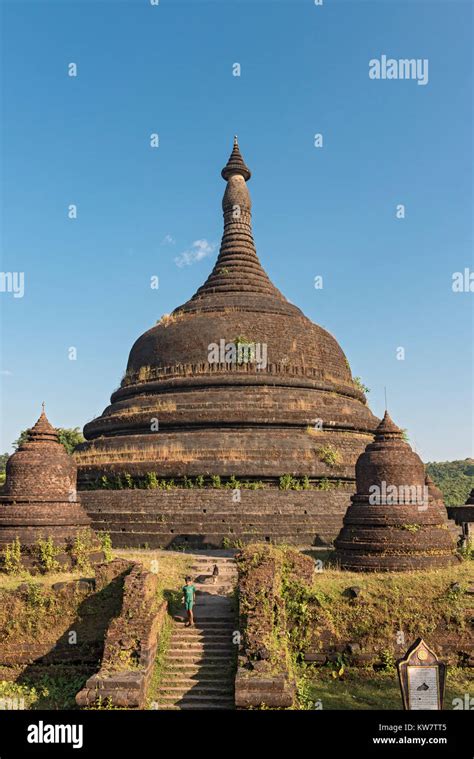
(188, 578)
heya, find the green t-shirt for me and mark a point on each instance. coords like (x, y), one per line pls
(189, 591)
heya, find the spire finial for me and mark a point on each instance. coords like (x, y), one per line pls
(42, 407)
(236, 164)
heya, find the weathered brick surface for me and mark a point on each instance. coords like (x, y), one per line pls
(39, 499)
(402, 531)
(260, 679)
(130, 646)
(206, 516)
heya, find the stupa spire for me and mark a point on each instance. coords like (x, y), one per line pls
(42, 430)
(237, 269)
(388, 428)
(236, 164)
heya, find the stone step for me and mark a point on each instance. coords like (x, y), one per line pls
(192, 633)
(198, 645)
(195, 689)
(211, 671)
(211, 706)
(199, 656)
(202, 701)
(185, 677)
(210, 587)
(221, 561)
(206, 620)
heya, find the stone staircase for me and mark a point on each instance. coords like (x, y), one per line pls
(199, 668)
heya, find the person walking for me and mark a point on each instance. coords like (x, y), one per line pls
(189, 599)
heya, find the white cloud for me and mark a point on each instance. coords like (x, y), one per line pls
(168, 240)
(199, 249)
(6, 373)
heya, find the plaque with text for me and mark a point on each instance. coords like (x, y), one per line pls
(421, 677)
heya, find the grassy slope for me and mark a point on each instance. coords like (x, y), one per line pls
(366, 689)
(45, 614)
(415, 602)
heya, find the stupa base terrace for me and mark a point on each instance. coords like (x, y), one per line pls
(208, 517)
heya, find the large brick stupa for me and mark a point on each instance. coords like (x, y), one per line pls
(237, 381)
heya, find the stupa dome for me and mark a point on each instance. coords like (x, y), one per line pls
(218, 415)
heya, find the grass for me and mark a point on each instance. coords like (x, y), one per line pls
(365, 689)
(163, 643)
(411, 604)
(415, 602)
(171, 566)
(43, 692)
(11, 582)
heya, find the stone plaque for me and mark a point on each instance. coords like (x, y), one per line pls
(421, 678)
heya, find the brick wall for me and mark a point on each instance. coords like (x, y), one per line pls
(130, 645)
(204, 517)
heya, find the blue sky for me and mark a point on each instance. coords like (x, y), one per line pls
(329, 211)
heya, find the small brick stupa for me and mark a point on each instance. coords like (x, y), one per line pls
(39, 499)
(393, 523)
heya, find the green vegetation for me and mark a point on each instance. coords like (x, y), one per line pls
(362, 688)
(288, 482)
(360, 385)
(170, 566)
(43, 691)
(151, 481)
(3, 461)
(12, 557)
(455, 479)
(81, 548)
(161, 651)
(416, 602)
(106, 545)
(329, 455)
(304, 614)
(48, 551)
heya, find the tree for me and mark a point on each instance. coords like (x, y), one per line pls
(455, 479)
(70, 437)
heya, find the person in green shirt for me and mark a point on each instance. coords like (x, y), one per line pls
(189, 599)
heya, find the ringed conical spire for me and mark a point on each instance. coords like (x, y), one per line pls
(236, 164)
(238, 273)
(387, 427)
(42, 431)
